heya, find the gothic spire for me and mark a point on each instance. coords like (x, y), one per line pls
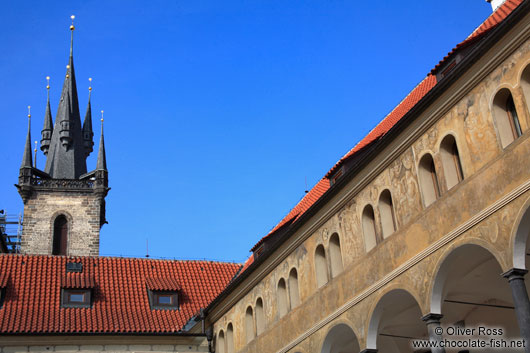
(102, 159)
(26, 158)
(66, 156)
(48, 123)
(88, 134)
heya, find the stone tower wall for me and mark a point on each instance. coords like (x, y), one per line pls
(82, 210)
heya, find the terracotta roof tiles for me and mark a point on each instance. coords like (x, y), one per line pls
(391, 119)
(32, 302)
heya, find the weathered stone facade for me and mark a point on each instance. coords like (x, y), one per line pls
(413, 272)
(82, 209)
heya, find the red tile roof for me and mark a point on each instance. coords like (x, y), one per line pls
(4, 277)
(491, 22)
(154, 283)
(32, 303)
(392, 118)
(307, 201)
(78, 281)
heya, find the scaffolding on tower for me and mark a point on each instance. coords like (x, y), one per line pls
(10, 232)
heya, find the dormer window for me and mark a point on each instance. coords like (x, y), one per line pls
(76, 298)
(336, 176)
(163, 293)
(164, 300)
(77, 290)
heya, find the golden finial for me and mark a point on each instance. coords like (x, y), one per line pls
(35, 158)
(48, 84)
(102, 116)
(29, 111)
(90, 84)
(72, 25)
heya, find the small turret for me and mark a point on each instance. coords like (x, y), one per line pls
(47, 130)
(88, 134)
(102, 158)
(26, 158)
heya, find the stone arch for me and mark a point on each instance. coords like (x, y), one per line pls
(340, 339)
(440, 274)
(505, 116)
(321, 266)
(520, 235)
(428, 178)
(368, 226)
(395, 319)
(451, 161)
(387, 213)
(220, 344)
(250, 331)
(260, 316)
(69, 226)
(469, 291)
(230, 338)
(335, 255)
(294, 291)
(283, 304)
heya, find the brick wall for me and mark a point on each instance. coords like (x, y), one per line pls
(81, 208)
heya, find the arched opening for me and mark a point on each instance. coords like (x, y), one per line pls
(428, 180)
(452, 165)
(395, 322)
(521, 246)
(249, 324)
(220, 344)
(260, 317)
(368, 220)
(230, 339)
(386, 210)
(60, 235)
(340, 339)
(335, 255)
(283, 306)
(294, 294)
(321, 266)
(469, 291)
(506, 117)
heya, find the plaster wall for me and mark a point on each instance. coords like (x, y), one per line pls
(407, 259)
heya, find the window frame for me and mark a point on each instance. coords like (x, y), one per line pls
(66, 301)
(154, 300)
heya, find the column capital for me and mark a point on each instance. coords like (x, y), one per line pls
(514, 273)
(432, 318)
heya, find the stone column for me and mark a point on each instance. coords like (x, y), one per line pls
(433, 323)
(515, 277)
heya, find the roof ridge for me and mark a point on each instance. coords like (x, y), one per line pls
(91, 257)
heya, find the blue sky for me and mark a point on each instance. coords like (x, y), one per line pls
(217, 114)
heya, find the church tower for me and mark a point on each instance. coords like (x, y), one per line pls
(64, 206)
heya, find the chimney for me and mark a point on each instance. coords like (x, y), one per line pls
(495, 4)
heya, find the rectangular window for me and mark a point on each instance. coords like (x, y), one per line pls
(163, 300)
(76, 298)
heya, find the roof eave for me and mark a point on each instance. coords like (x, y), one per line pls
(516, 15)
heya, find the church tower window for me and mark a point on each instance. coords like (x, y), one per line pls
(60, 236)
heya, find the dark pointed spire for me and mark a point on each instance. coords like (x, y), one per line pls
(88, 134)
(66, 155)
(47, 130)
(102, 158)
(26, 158)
